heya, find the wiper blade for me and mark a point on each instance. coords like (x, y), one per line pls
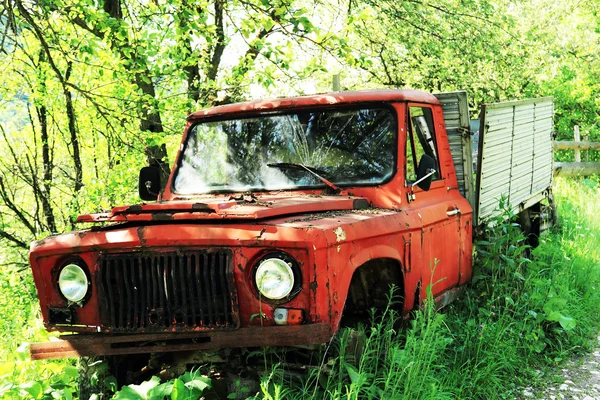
(313, 171)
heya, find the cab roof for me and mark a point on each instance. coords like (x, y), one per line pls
(325, 99)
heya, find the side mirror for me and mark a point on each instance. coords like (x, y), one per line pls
(149, 185)
(425, 172)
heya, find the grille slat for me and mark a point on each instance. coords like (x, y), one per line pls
(222, 284)
(128, 289)
(197, 267)
(107, 268)
(167, 291)
(145, 299)
(120, 292)
(209, 295)
(191, 302)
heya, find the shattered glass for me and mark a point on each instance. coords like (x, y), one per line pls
(348, 147)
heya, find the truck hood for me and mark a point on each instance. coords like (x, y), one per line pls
(236, 208)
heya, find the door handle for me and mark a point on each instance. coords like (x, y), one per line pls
(453, 212)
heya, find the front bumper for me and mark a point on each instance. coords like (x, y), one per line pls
(105, 345)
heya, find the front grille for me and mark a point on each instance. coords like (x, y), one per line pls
(167, 291)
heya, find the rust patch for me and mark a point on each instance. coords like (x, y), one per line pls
(321, 215)
(244, 198)
(340, 234)
(140, 233)
(162, 217)
(202, 207)
(313, 286)
(374, 210)
(135, 209)
(360, 204)
(263, 230)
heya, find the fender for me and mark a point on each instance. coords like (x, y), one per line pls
(343, 276)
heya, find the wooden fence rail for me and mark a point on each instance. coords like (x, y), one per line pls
(566, 145)
(577, 168)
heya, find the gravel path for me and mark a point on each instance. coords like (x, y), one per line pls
(581, 381)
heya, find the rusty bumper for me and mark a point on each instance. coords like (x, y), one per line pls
(104, 344)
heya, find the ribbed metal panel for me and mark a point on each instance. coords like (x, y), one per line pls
(456, 118)
(157, 291)
(515, 153)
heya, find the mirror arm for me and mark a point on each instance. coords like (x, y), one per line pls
(411, 194)
(429, 173)
(148, 185)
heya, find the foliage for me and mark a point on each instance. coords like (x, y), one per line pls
(190, 385)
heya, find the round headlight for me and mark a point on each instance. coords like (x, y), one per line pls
(73, 282)
(274, 278)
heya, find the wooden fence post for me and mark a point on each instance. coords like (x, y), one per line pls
(577, 139)
(336, 82)
(586, 138)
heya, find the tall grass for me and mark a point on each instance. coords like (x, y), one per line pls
(524, 311)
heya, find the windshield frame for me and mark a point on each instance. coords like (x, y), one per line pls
(317, 186)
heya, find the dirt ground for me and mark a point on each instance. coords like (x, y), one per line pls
(580, 380)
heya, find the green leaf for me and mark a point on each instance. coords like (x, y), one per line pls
(180, 392)
(352, 373)
(110, 383)
(137, 392)
(161, 391)
(33, 388)
(71, 371)
(567, 323)
(7, 368)
(199, 383)
(127, 393)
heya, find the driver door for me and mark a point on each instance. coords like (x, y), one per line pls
(436, 208)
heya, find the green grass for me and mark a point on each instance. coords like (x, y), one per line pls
(523, 312)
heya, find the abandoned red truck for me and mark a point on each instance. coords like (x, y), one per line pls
(301, 211)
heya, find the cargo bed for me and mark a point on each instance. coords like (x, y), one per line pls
(514, 158)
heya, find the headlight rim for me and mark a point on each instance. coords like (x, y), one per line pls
(296, 271)
(81, 264)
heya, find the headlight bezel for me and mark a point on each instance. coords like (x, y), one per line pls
(81, 265)
(296, 271)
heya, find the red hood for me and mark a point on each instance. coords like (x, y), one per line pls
(228, 208)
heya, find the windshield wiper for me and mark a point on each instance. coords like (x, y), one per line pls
(285, 165)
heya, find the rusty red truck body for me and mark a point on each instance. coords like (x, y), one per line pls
(279, 219)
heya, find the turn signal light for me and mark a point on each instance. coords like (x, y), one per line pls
(288, 316)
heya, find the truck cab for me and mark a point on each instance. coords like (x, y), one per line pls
(280, 218)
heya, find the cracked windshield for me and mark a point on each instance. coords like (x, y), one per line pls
(299, 150)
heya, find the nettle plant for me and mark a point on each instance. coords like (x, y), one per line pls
(514, 287)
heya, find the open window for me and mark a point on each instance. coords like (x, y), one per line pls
(420, 140)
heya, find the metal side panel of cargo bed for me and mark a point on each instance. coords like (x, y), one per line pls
(515, 154)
